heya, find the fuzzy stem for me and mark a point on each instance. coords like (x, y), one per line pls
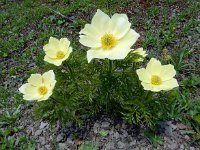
(110, 66)
(72, 74)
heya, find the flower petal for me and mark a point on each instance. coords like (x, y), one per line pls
(97, 53)
(154, 67)
(49, 78)
(119, 25)
(99, 20)
(67, 54)
(118, 53)
(35, 79)
(91, 31)
(150, 87)
(168, 72)
(53, 61)
(64, 44)
(30, 92)
(170, 84)
(129, 39)
(144, 75)
(53, 41)
(22, 88)
(45, 97)
(50, 50)
(31, 97)
(89, 41)
(121, 50)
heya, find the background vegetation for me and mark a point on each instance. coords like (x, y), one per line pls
(169, 31)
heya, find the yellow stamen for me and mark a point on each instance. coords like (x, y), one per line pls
(156, 80)
(42, 90)
(108, 41)
(60, 55)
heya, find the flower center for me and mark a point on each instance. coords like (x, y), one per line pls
(42, 90)
(156, 80)
(60, 55)
(108, 41)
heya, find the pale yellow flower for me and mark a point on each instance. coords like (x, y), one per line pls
(39, 87)
(108, 37)
(57, 50)
(157, 77)
(140, 52)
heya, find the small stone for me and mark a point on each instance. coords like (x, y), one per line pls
(133, 143)
(172, 146)
(117, 126)
(182, 147)
(17, 141)
(30, 131)
(168, 131)
(96, 124)
(123, 125)
(186, 137)
(96, 127)
(105, 124)
(58, 126)
(110, 146)
(120, 144)
(38, 132)
(125, 133)
(42, 140)
(69, 141)
(43, 125)
(59, 138)
(62, 146)
(47, 146)
(116, 135)
(192, 148)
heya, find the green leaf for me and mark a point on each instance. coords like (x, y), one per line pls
(153, 138)
(197, 118)
(87, 146)
(103, 133)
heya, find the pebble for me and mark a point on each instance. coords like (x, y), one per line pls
(172, 146)
(62, 146)
(47, 147)
(110, 146)
(133, 143)
(42, 140)
(105, 124)
(95, 127)
(30, 131)
(116, 135)
(192, 148)
(120, 144)
(43, 125)
(168, 130)
(69, 140)
(182, 147)
(38, 132)
(186, 137)
(125, 133)
(59, 137)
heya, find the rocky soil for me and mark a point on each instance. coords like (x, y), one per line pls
(119, 135)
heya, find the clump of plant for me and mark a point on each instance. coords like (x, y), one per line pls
(110, 79)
